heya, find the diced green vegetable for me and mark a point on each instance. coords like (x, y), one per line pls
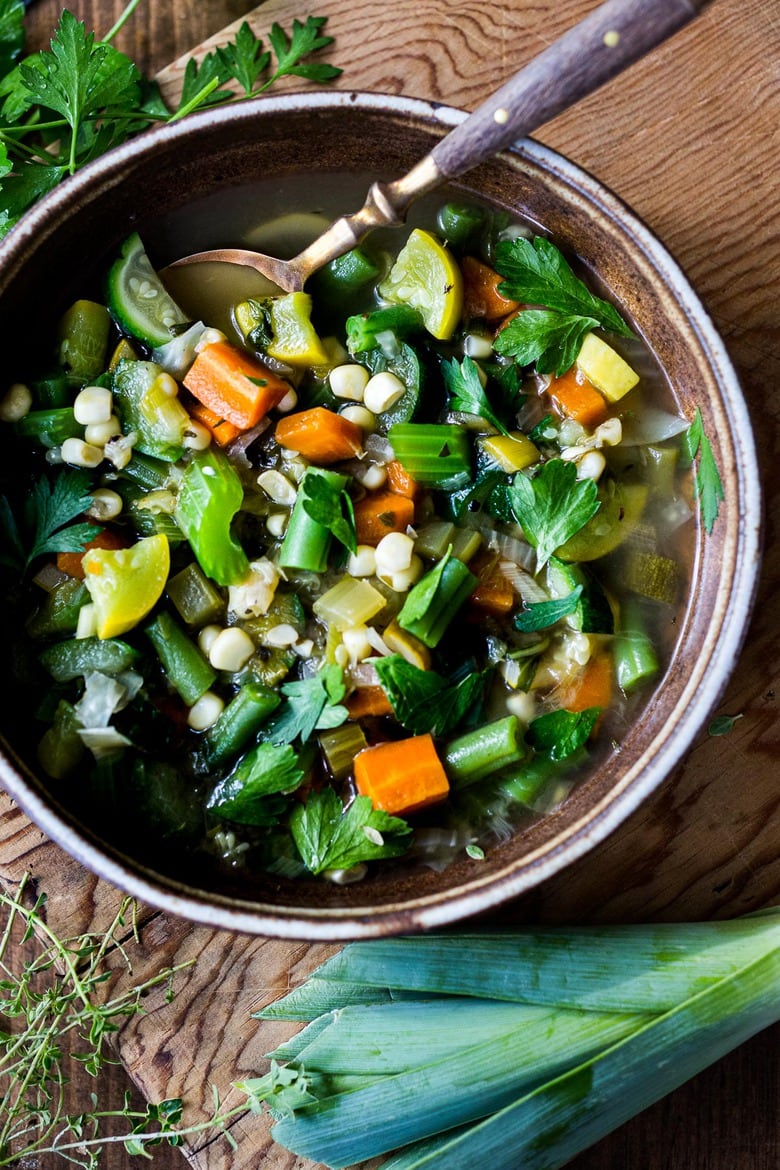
(210, 494)
(138, 298)
(249, 708)
(435, 600)
(50, 428)
(186, 668)
(195, 598)
(148, 409)
(435, 454)
(484, 751)
(78, 656)
(61, 749)
(83, 339)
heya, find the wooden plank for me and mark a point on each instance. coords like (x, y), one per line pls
(693, 146)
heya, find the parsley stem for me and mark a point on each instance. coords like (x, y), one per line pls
(197, 100)
(121, 20)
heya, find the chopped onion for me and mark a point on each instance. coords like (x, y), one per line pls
(379, 449)
(651, 425)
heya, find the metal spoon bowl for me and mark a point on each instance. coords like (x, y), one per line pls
(592, 52)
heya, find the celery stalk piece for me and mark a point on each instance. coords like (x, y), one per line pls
(546, 965)
(210, 494)
(546, 1128)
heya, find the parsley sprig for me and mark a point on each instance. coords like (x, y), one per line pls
(552, 506)
(706, 477)
(44, 526)
(467, 393)
(548, 334)
(62, 107)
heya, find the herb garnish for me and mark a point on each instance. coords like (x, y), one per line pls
(64, 106)
(467, 393)
(552, 506)
(266, 770)
(559, 734)
(47, 511)
(706, 477)
(422, 700)
(312, 704)
(540, 615)
(330, 506)
(60, 997)
(330, 837)
(549, 334)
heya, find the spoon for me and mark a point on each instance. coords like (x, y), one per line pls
(592, 52)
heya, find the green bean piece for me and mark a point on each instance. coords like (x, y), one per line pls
(461, 224)
(50, 428)
(482, 752)
(306, 542)
(239, 722)
(186, 668)
(77, 657)
(58, 613)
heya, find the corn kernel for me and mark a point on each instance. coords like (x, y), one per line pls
(231, 649)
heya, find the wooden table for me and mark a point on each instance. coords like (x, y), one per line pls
(690, 140)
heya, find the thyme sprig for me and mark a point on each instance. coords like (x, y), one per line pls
(63, 996)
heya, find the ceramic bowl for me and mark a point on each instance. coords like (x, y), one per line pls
(292, 142)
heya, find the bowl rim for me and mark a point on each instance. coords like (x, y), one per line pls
(439, 909)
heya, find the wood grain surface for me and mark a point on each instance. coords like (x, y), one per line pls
(690, 138)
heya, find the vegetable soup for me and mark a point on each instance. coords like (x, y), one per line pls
(363, 576)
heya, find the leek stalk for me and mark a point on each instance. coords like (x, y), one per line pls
(532, 1044)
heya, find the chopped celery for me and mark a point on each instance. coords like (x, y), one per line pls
(652, 575)
(350, 602)
(435, 454)
(339, 747)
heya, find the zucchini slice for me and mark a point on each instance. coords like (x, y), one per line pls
(138, 299)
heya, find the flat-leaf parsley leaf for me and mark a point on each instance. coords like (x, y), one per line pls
(552, 506)
(562, 308)
(706, 478)
(328, 836)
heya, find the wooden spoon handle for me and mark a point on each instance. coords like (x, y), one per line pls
(601, 46)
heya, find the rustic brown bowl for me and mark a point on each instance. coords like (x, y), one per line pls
(45, 262)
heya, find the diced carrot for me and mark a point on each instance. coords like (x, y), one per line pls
(400, 481)
(403, 776)
(222, 431)
(592, 687)
(494, 594)
(481, 297)
(320, 435)
(368, 701)
(235, 385)
(573, 396)
(381, 512)
(70, 562)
